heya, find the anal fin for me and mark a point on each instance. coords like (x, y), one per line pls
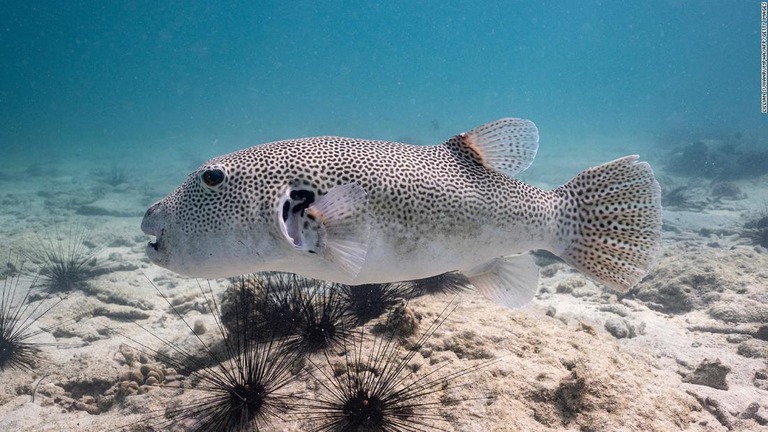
(509, 281)
(336, 226)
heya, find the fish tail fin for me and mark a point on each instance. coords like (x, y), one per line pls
(610, 225)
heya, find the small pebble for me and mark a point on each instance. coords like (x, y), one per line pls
(617, 327)
(136, 376)
(750, 411)
(737, 338)
(199, 327)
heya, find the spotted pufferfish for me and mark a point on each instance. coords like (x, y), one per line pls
(359, 211)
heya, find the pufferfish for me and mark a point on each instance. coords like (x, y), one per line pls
(359, 211)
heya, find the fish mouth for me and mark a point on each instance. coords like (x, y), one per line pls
(154, 251)
(153, 225)
(154, 246)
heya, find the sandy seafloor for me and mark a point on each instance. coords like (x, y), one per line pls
(577, 358)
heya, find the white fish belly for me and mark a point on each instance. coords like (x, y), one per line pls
(409, 257)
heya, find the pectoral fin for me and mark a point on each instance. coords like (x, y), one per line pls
(334, 225)
(510, 281)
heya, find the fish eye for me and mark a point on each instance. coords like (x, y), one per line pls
(213, 177)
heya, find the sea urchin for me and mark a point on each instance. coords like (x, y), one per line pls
(448, 283)
(369, 301)
(17, 315)
(68, 261)
(310, 312)
(243, 389)
(378, 391)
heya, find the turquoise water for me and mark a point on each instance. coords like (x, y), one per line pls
(204, 79)
(106, 106)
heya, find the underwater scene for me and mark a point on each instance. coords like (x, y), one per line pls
(384, 216)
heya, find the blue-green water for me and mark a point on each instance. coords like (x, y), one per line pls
(105, 106)
(206, 78)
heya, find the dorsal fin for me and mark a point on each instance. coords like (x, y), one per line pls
(508, 145)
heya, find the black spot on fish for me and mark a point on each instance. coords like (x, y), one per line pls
(305, 198)
(303, 195)
(286, 209)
